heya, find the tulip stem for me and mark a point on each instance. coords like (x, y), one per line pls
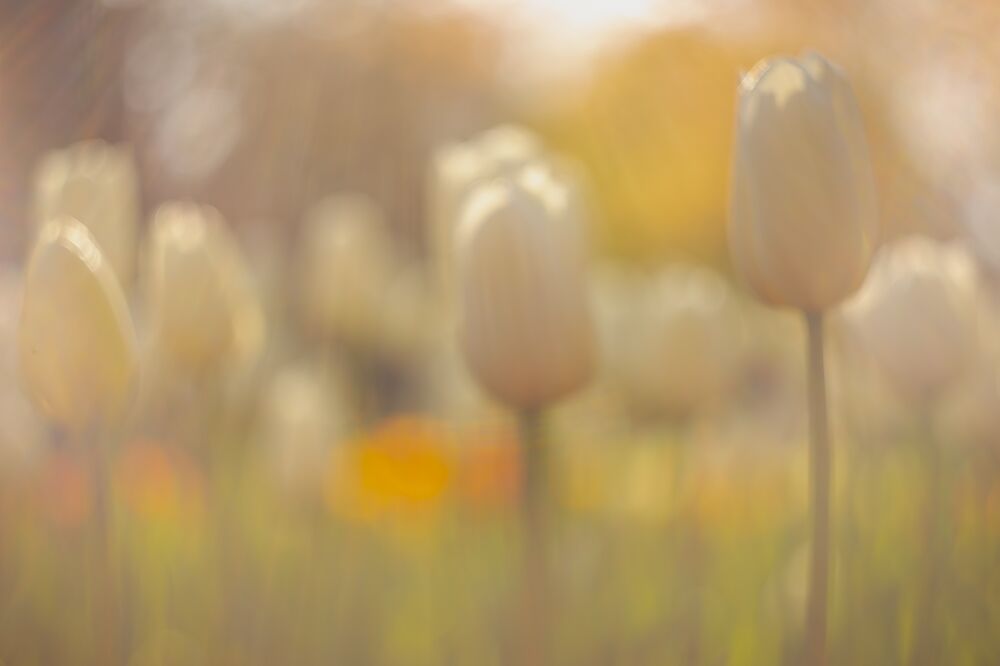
(107, 610)
(926, 647)
(534, 580)
(819, 484)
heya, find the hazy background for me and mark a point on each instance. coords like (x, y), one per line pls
(262, 106)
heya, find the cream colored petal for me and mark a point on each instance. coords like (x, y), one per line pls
(77, 345)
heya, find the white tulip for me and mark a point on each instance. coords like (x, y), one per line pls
(916, 315)
(458, 169)
(408, 319)
(304, 415)
(524, 321)
(803, 223)
(203, 308)
(77, 345)
(347, 264)
(97, 184)
(509, 147)
(680, 349)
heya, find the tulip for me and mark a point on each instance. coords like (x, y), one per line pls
(458, 169)
(95, 183)
(346, 268)
(78, 353)
(803, 223)
(525, 331)
(802, 230)
(303, 416)
(980, 223)
(524, 324)
(203, 309)
(916, 316)
(678, 353)
(78, 358)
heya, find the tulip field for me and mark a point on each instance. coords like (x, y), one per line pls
(356, 333)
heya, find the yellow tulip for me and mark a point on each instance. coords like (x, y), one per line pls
(77, 344)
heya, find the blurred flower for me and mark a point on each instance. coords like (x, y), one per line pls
(971, 413)
(204, 310)
(524, 320)
(346, 267)
(21, 432)
(77, 345)
(304, 414)
(678, 349)
(490, 468)
(65, 491)
(916, 315)
(159, 483)
(96, 183)
(586, 481)
(982, 206)
(803, 222)
(648, 491)
(457, 169)
(401, 471)
(409, 322)
(737, 491)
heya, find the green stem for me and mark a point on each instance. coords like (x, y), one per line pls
(107, 603)
(819, 484)
(534, 592)
(926, 646)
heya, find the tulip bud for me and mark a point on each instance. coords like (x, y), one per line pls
(458, 169)
(203, 307)
(680, 353)
(916, 315)
(77, 344)
(97, 184)
(507, 148)
(803, 221)
(304, 415)
(346, 262)
(524, 322)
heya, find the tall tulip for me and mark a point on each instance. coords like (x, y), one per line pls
(803, 223)
(78, 360)
(803, 227)
(525, 330)
(97, 184)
